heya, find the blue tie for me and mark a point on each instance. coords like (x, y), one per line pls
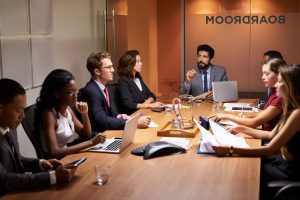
(205, 89)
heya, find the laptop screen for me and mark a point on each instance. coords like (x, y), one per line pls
(225, 91)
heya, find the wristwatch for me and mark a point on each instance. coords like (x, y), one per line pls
(231, 150)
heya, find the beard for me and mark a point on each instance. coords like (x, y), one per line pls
(202, 65)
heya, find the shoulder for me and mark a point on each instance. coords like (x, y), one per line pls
(123, 79)
(296, 113)
(274, 100)
(218, 67)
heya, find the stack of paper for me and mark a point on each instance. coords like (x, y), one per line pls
(182, 142)
(220, 137)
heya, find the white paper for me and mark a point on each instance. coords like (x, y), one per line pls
(152, 124)
(227, 123)
(182, 142)
(224, 138)
(207, 140)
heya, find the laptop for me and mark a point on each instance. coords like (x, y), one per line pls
(225, 91)
(117, 145)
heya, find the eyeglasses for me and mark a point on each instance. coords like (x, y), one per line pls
(70, 92)
(108, 67)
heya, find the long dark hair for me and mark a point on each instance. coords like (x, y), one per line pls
(290, 76)
(127, 63)
(55, 81)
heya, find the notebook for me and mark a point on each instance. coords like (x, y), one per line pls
(225, 91)
(117, 145)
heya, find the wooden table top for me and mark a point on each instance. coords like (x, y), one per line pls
(181, 176)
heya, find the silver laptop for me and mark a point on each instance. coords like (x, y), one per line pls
(116, 145)
(225, 91)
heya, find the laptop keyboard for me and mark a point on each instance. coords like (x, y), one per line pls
(114, 146)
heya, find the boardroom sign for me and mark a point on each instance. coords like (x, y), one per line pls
(245, 19)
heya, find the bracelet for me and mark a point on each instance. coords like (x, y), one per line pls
(231, 151)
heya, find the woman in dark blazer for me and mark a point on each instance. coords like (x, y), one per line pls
(133, 91)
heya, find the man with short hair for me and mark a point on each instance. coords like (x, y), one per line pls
(12, 165)
(268, 55)
(198, 80)
(103, 112)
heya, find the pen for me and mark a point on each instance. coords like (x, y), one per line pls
(241, 113)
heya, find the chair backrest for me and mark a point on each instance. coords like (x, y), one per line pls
(29, 128)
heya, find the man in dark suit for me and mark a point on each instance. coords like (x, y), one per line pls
(103, 112)
(12, 164)
(199, 79)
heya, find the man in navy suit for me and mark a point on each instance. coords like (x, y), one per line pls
(198, 80)
(12, 164)
(103, 112)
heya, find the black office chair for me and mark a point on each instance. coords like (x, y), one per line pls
(286, 190)
(29, 128)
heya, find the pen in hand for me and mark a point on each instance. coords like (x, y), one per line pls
(241, 113)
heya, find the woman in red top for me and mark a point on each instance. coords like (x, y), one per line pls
(271, 114)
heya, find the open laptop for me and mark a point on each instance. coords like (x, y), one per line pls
(225, 91)
(116, 145)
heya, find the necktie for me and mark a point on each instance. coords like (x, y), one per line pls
(19, 166)
(107, 96)
(205, 89)
(9, 140)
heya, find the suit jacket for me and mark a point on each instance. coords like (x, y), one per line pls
(12, 168)
(101, 116)
(217, 73)
(131, 95)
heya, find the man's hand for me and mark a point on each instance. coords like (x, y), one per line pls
(50, 164)
(190, 75)
(65, 173)
(207, 95)
(144, 122)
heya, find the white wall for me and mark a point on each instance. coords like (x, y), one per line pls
(75, 37)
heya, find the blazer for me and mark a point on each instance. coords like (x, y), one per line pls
(12, 168)
(131, 95)
(217, 73)
(101, 116)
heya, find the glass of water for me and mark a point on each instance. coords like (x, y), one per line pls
(102, 173)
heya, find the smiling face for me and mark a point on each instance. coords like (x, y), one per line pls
(12, 114)
(281, 88)
(269, 78)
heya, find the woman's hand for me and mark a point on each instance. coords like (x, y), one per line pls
(82, 107)
(99, 138)
(156, 105)
(235, 129)
(221, 150)
(149, 100)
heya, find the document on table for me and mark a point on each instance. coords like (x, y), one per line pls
(238, 107)
(219, 137)
(182, 142)
(224, 138)
(152, 124)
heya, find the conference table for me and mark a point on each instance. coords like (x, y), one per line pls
(180, 176)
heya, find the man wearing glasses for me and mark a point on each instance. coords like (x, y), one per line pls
(103, 112)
